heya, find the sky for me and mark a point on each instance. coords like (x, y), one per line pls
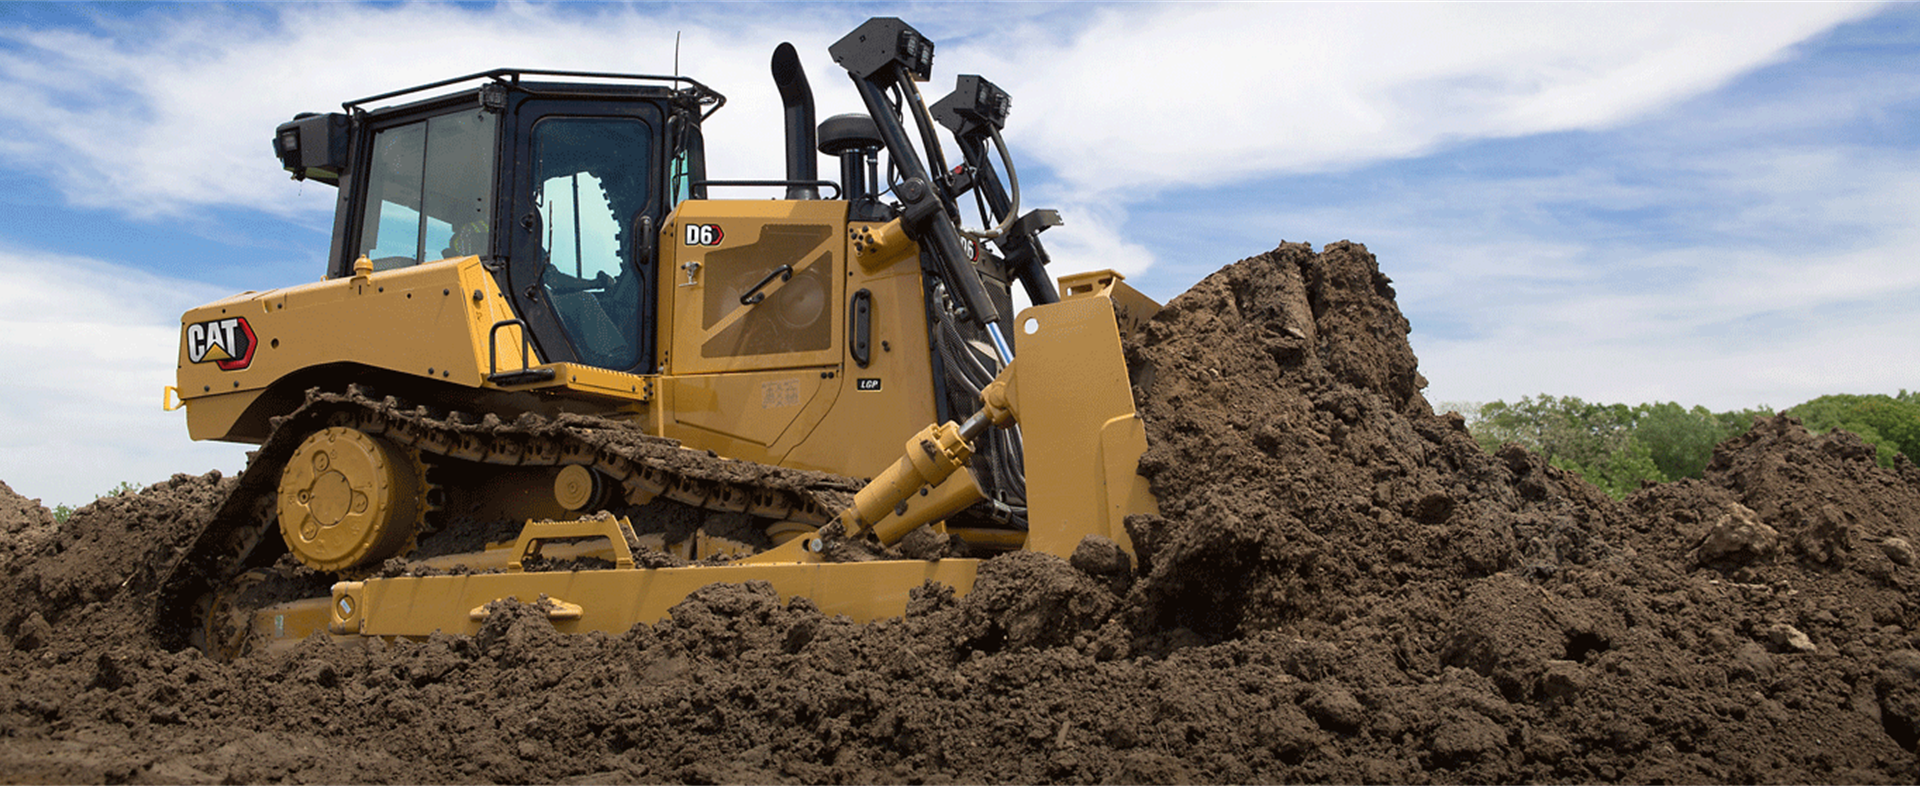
(1711, 203)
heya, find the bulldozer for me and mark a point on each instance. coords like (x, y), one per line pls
(549, 361)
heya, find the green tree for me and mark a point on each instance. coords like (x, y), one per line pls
(1613, 446)
(1594, 440)
(1620, 472)
(1681, 440)
(1890, 423)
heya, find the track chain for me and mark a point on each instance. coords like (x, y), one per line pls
(646, 467)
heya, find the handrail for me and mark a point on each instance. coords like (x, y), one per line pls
(526, 373)
(753, 295)
(771, 183)
(511, 77)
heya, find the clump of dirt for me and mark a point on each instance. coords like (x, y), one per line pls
(1832, 505)
(25, 525)
(1340, 586)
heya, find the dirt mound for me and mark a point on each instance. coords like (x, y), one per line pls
(1340, 586)
(1496, 618)
(91, 577)
(1301, 474)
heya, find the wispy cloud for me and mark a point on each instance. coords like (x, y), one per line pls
(100, 341)
(1156, 96)
(150, 115)
(1758, 275)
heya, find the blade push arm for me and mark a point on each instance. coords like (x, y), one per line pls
(1071, 395)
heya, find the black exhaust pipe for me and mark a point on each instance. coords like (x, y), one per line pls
(802, 166)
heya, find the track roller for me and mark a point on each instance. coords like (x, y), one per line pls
(579, 488)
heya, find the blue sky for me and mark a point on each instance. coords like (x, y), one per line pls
(1710, 203)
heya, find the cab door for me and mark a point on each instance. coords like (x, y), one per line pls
(585, 196)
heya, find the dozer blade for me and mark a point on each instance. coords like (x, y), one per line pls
(611, 601)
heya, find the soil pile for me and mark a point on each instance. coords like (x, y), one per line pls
(1340, 587)
(1300, 473)
(91, 577)
(1491, 618)
(24, 525)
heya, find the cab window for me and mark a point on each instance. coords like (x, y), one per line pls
(590, 183)
(429, 190)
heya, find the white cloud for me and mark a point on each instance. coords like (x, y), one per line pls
(1824, 352)
(1144, 97)
(93, 344)
(150, 116)
(1798, 283)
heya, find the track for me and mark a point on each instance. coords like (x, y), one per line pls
(243, 535)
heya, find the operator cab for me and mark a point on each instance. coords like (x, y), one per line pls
(558, 187)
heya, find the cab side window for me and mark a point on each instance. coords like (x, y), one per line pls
(429, 190)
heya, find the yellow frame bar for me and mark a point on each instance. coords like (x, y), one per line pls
(611, 601)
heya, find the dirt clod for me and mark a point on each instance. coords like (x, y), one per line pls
(1340, 586)
(1738, 538)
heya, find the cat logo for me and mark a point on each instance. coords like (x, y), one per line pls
(227, 343)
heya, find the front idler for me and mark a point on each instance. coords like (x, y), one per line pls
(349, 499)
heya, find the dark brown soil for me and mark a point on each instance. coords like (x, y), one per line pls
(1340, 587)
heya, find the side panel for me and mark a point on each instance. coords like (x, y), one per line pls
(775, 381)
(744, 415)
(728, 252)
(430, 321)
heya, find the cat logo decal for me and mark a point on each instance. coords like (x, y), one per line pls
(227, 343)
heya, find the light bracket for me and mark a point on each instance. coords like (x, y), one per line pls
(974, 105)
(873, 48)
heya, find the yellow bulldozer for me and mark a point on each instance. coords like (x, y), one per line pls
(547, 363)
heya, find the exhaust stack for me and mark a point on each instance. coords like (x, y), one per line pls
(797, 97)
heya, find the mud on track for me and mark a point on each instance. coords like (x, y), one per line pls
(1340, 587)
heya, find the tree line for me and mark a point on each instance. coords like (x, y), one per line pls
(1617, 446)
